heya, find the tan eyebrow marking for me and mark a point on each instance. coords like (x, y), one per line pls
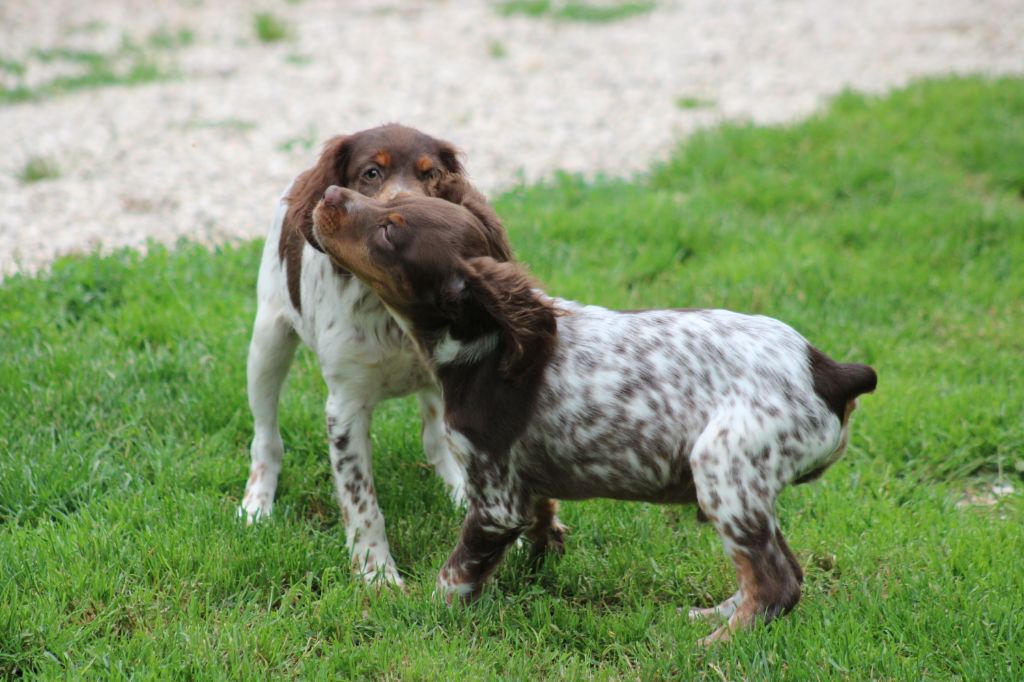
(382, 158)
(424, 164)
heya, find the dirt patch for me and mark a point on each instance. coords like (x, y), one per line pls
(200, 142)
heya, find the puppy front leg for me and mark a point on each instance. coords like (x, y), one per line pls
(486, 535)
(348, 430)
(270, 356)
(436, 446)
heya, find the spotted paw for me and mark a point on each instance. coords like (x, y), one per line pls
(384, 576)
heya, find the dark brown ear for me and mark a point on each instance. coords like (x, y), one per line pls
(454, 187)
(449, 156)
(309, 188)
(526, 319)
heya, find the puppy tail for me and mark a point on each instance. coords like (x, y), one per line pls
(837, 384)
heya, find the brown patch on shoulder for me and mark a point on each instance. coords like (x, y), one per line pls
(382, 158)
(424, 164)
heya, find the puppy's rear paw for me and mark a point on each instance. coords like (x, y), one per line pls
(548, 540)
(722, 634)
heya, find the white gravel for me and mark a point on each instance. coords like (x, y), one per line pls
(205, 156)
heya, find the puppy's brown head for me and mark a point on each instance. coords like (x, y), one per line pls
(380, 162)
(403, 248)
(433, 263)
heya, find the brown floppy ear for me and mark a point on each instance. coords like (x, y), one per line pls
(449, 156)
(454, 187)
(525, 318)
(310, 186)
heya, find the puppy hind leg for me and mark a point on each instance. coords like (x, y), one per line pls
(728, 607)
(793, 563)
(270, 357)
(742, 509)
(768, 586)
(546, 534)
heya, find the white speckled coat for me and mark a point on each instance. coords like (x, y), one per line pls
(364, 358)
(545, 398)
(709, 406)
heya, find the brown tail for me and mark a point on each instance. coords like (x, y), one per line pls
(837, 383)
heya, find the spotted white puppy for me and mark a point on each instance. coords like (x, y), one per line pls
(546, 398)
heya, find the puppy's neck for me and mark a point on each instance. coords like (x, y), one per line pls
(441, 346)
(483, 401)
(449, 351)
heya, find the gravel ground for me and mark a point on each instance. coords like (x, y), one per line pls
(204, 155)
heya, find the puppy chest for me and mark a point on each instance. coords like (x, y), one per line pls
(377, 356)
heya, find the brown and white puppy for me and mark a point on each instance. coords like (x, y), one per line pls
(546, 398)
(363, 355)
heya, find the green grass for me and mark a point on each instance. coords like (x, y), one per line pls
(497, 50)
(233, 124)
(575, 10)
(296, 59)
(171, 40)
(12, 67)
(132, 63)
(690, 102)
(270, 28)
(306, 141)
(888, 230)
(38, 168)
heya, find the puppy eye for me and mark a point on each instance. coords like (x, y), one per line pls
(371, 174)
(385, 230)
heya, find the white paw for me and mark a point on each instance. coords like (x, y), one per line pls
(253, 512)
(377, 568)
(386, 575)
(453, 592)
